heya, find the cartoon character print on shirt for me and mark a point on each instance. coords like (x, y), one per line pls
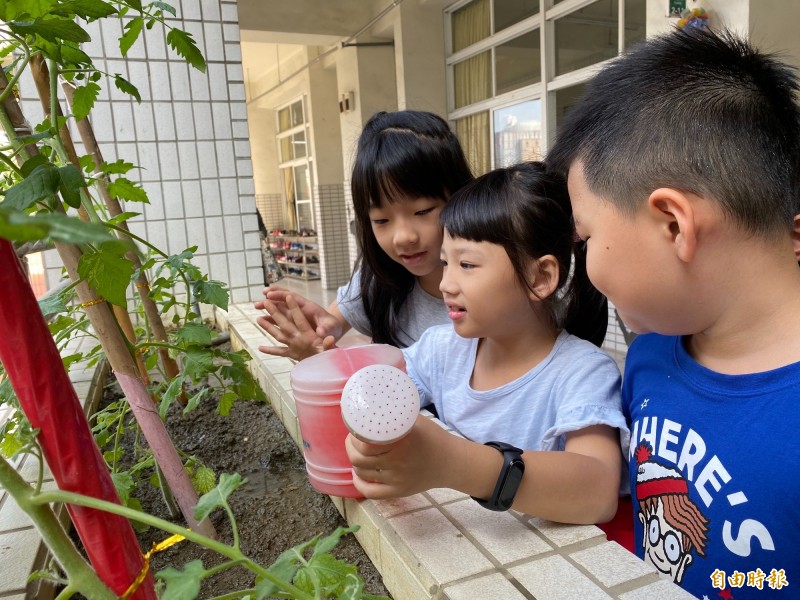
(674, 527)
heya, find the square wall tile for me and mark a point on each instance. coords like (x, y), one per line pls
(491, 587)
(555, 578)
(501, 534)
(435, 543)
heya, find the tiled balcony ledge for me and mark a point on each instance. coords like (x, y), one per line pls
(440, 544)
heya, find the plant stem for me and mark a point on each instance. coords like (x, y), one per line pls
(228, 551)
(83, 579)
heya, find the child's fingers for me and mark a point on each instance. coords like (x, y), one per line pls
(328, 343)
(275, 350)
(297, 316)
(372, 489)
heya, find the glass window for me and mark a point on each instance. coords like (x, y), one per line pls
(518, 133)
(566, 98)
(299, 144)
(305, 215)
(297, 113)
(472, 79)
(517, 63)
(586, 36)
(302, 185)
(284, 119)
(470, 24)
(287, 151)
(635, 21)
(473, 133)
(508, 12)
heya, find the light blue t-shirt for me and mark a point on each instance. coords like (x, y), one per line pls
(419, 312)
(577, 385)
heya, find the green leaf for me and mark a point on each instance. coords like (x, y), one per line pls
(218, 497)
(195, 400)
(118, 167)
(108, 272)
(126, 189)
(34, 161)
(126, 87)
(353, 588)
(87, 162)
(151, 361)
(204, 480)
(124, 483)
(86, 9)
(42, 183)
(197, 363)
(132, 30)
(170, 395)
(33, 8)
(330, 572)
(183, 43)
(60, 323)
(83, 100)
(123, 217)
(211, 292)
(71, 183)
(226, 402)
(19, 227)
(329, 542)
(136, 4)
(195, 333)
(74, 57)
(183, 585)
(52, 305)
(52, 29)
(165, 7)
(11, 440)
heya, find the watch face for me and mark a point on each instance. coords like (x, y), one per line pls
(511, 483)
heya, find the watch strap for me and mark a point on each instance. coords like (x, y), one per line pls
(509, 479)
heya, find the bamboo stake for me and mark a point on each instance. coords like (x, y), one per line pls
(41, 77)
(114, 209)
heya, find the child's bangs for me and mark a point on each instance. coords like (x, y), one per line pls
(476, 216)
(406, 166)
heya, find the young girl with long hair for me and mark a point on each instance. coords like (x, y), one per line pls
(407, 165)
(520, 364)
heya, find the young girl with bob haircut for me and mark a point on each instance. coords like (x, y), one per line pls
(519, 365)
(408, 164)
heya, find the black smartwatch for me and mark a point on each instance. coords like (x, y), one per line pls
(510, 477)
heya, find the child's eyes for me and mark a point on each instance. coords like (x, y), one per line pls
(379, 221)
(466, 266)
(422, 213)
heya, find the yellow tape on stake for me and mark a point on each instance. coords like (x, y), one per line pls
(163, 545)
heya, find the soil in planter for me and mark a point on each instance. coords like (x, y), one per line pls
(276, 509)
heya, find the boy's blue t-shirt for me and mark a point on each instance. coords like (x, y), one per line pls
(715, 472)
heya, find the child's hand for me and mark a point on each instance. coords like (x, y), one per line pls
(290, 326)
(320, 319)
(413, 464)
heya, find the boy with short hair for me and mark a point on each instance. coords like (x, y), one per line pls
(684, 175)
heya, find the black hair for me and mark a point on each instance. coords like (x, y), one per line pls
(403, 154)
(526, 210)
(696, 111)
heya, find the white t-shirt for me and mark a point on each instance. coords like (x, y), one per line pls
(419, 312)
(576, 386)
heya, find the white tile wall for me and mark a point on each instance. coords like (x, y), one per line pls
(182, 134)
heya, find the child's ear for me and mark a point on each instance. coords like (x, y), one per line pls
(543, 277)
(796, 238)
(675, 217)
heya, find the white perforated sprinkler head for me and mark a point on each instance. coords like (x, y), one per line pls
(379, 404)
